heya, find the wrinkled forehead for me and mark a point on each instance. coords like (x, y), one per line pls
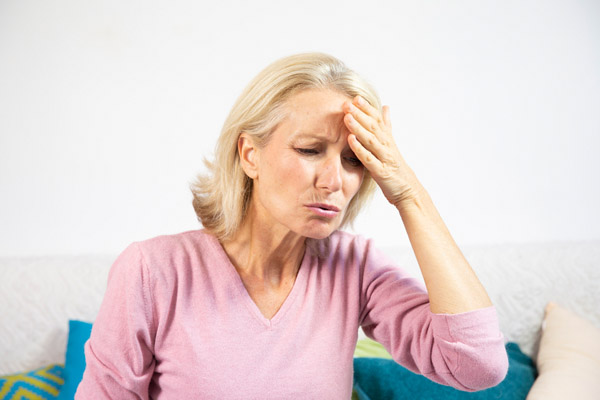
(315, 112)
(312, 101)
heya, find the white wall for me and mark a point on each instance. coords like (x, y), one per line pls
(107, 108)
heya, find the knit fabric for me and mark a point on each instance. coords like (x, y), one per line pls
(177, 322)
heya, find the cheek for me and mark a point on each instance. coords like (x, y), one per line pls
(288, 176)
(354, 180)
(291, 170)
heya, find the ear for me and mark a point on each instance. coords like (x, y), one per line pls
(248, 153)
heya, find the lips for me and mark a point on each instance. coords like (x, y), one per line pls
(324, 210)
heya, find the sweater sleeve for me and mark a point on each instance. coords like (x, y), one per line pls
(465, 351)
(119, 353)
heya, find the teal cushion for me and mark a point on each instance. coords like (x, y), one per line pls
(79, 333)
(379, 378)
(43, 383)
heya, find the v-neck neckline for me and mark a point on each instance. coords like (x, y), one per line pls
(236, 280)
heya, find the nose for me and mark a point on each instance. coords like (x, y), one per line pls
(330, 175)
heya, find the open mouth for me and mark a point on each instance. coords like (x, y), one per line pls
(324, 210)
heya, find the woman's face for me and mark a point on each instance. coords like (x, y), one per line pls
(306, 174)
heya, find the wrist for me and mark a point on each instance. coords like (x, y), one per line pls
(413, 196)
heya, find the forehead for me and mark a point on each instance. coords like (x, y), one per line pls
(314, 100)
(315, 112)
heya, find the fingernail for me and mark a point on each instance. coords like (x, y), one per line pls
(360, 100)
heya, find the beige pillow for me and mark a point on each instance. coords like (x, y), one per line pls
(569, 358)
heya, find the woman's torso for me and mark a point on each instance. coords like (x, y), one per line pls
(213, 341)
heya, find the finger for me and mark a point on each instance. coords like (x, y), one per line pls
(368, 122)
(368, 109)
(385, 111)
(365, 156)
(367, 138)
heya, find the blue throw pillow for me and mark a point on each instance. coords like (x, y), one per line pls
(378, 378)
(79, 333)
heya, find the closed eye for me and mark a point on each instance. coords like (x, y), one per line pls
(354, 161)
(308, 152)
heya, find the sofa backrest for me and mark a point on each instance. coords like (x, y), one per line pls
(38, 295)
(522, 278)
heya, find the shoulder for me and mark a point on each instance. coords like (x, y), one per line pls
(341, 241)
(344, 251)
(172, 247)
(169, 254)
(175, 241)
(361, 253)
(349, 245)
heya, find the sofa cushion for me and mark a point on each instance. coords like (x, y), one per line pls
(568, 359)
(383, 378)
(42, 383)
(79, 333)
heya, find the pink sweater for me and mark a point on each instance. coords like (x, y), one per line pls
(177, 323)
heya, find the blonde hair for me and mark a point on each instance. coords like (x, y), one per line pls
(221, 197)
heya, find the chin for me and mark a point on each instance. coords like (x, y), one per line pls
(319, 236)
(320, 232)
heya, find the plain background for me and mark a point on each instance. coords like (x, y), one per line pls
(107, 109)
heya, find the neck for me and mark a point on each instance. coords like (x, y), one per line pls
(259, 252)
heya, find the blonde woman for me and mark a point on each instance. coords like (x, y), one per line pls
(266, 301)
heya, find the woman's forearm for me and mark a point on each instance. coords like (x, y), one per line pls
(452, 285)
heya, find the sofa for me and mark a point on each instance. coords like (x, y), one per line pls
(40, 295)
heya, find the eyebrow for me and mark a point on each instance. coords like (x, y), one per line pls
(307, 135)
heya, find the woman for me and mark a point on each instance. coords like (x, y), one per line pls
(265, 302)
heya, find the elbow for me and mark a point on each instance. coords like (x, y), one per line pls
(483, 371)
